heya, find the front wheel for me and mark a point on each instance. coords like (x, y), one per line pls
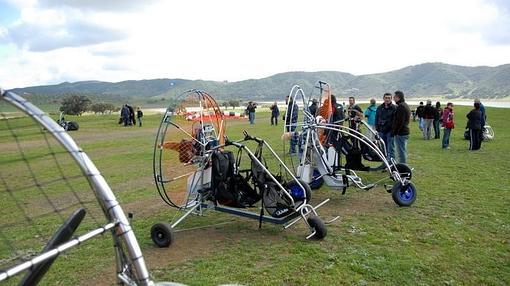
(404, 195)
(162, 234)
(317, 225)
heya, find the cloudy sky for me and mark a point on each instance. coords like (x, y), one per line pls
(51, 41)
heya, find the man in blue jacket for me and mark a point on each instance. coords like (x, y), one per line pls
(370, 116)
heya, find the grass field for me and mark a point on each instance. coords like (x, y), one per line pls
(456, 233)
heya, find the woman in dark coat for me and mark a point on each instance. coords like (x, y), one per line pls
(475, 127)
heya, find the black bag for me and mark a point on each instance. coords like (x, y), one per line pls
(275, 203)
(369, 154)
(246, 195)
(222, 169)
(72, 126)
(230, 189)
(342, 145)
(467, 136)
(353, 159)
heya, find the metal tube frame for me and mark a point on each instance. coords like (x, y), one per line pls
(106, 198)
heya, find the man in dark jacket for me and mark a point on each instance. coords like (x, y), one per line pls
(419, 113)
(275, 112)
(400, 126)
(438, 117)
(124, 114)
(482, 110)
(428, 117)
(383, 123)
(313, 107)
(475, 126)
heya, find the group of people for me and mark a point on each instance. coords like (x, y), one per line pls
(436, 117)
(127, 116)
(390, 120)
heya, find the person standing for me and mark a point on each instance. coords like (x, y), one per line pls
(474, 124)
(438, 118)
(428, 118)
(370, 113)
(448, 124)
(313, 107)
(419, 113)
(482, 110)
(139, 115)
(275, 112)
(291, 118)
(355, 112)
(384, 120)
(132, 120)
(124, 114)
(251, 111)
(400, 126)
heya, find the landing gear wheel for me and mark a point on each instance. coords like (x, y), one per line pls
(297, 192)
(162, 234)
(318, 226)
(404, 195)
(404, 170)
(317, 180)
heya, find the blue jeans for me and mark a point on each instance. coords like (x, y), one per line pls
(446, 137)
(401, 143)
(293, 139)
(139, 121)
(390, 146)
(437, 129)
(251, 116)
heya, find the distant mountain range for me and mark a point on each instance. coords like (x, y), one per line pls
(424, 80)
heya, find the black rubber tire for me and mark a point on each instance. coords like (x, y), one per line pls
(162, 235)
(404, 196)
(308, 191)
(404, 170)
(319, 226)
(316, 183)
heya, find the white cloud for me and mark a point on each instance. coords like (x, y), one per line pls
(236, 40)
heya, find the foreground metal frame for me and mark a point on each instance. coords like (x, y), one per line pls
(119, 225)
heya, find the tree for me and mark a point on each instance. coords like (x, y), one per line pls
(75, 104)
(234, 103)
(102, 108)
(110, 107)
(98, 108)
(225, 104)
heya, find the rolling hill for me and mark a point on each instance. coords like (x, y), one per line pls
(428, 79)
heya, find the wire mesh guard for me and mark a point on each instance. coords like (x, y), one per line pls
(186, 132)
(45, 195)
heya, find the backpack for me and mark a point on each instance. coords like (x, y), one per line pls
(230, 189)
(222, 169)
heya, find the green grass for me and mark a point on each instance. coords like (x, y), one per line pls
(456, 233)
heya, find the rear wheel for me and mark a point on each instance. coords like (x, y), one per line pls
(162, 234)
(318, 226)
(404, 195)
